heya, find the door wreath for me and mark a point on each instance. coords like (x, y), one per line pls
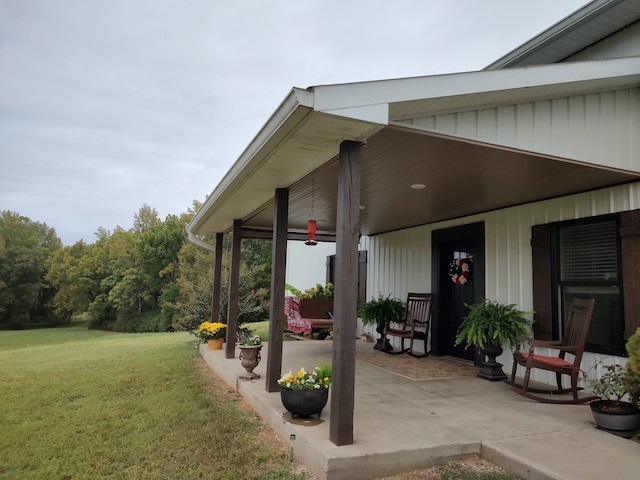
(460, 271)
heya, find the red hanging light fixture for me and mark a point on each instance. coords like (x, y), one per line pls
(311, 224)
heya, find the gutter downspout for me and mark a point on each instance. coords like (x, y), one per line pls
(195, 240)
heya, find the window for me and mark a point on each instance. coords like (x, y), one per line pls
(588, 267)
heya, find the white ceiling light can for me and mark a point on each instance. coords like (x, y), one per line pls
(418, 186)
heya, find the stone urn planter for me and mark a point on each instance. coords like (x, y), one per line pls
(249, 358)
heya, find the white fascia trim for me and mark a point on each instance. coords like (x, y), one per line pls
(369, 113)
(570, 22)
(296, 98)
(330, 98)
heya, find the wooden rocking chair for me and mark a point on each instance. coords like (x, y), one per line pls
(573, 342)
(415, 326)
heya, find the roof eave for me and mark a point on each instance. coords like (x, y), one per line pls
(555, 32)
(296, 99)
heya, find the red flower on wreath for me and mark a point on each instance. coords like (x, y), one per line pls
(460, 271)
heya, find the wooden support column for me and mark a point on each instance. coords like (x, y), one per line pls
(278, 274)
(346, 294)
(217, 280)
(234, 283)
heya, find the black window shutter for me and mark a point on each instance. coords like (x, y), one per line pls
(630, 250)
(542, 282)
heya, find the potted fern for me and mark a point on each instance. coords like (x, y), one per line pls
(379, 311)
(490, 326)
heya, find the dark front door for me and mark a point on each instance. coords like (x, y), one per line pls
(457, 278)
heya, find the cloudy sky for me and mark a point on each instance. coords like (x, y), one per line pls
(109, 105)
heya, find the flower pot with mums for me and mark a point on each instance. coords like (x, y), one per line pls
(212, 333)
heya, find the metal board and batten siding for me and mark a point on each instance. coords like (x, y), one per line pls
(400, 261)
(589, 128)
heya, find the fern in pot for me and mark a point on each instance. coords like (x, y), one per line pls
(379, 311)
(490, 326)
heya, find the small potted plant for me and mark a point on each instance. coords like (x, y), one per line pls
(490, 326)
(611, 413)
(305, 393)
(379, 311)
(213, 333)
(250, 346)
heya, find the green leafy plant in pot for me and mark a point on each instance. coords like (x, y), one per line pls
(490, 326)
(611, 412)
(378, 311)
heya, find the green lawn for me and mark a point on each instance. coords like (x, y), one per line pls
(82, 404)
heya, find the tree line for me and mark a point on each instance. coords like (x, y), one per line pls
(149, 278)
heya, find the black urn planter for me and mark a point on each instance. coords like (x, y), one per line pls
(619, 418)
(492, 370)
(304, 402)
(378, 346)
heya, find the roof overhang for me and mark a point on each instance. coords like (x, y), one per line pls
(298, 147)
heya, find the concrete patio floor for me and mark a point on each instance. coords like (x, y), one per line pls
(402, 425)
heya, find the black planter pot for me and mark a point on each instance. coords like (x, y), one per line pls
(378, 346)
(621, 419)
(304, 403)
(492, 370)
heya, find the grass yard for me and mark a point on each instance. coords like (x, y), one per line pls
(82, 404)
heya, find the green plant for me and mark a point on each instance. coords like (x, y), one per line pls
(320, 377)
(211, 330)
(632, 377)
(610, 385)
(379, 310)
(492, 322)
(319, 291)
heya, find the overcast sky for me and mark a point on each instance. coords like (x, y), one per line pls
(108, 105)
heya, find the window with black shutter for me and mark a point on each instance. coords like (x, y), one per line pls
(588, 266)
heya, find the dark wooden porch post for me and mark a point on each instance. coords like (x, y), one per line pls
(234, 282)
(217, 280)
(278, 273)
(346, 295)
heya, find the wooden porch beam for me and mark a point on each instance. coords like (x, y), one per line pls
(217, 279)
(268, 235)
(278, 278)
(234, 283)
(346, 294)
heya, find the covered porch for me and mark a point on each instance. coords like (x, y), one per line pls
(378, 157)
(402, 424)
